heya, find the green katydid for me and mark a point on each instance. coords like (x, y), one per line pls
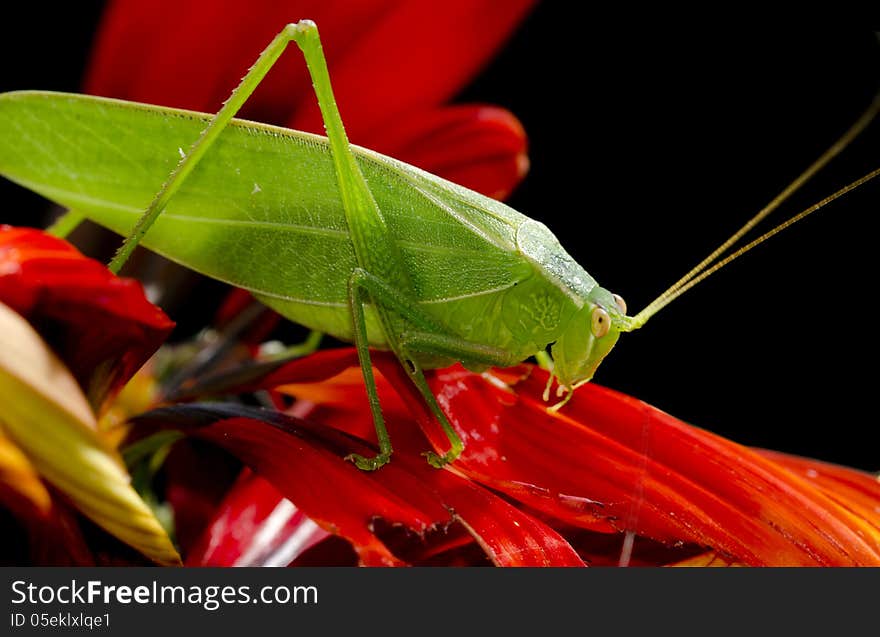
(336, 237)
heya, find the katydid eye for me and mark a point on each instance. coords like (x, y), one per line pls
(621, 304)
(600, 322)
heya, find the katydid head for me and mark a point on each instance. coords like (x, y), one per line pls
(589, 336)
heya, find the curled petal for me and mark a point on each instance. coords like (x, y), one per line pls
(102, 326)
(48, 418)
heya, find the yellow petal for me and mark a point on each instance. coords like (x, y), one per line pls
(45, 412)
(19, 475)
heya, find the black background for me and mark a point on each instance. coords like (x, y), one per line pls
(650, 142)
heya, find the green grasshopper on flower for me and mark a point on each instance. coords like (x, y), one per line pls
(338, 238)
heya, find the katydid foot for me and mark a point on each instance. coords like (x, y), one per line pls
(369, 464)
(437, 461)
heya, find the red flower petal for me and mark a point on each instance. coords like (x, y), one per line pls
(305, 462)
(236, 302)
(101, 325)
(480, 147)
(610, 456)
(182, 54)
(392, 63)
(271, 374)
(198, 476)
(408, 58)
(509, 536)
(375, 48)
(255, 525)
(608, 462)
(855, 490)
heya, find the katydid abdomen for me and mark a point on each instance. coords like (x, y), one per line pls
(262, 211)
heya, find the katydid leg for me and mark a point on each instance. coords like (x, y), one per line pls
(455, 445)
(428, 336)
(358, 294)
(189, 161)
(391, 299)
(456, 348)
(356, 299)
(453, 347)
(362, 285)
(381, 275)
(65, 224)
(309, 345)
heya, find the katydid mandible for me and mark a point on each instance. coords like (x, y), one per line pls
(374, 251)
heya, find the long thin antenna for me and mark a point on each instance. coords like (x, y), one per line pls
(667, 297)
(700, 271)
